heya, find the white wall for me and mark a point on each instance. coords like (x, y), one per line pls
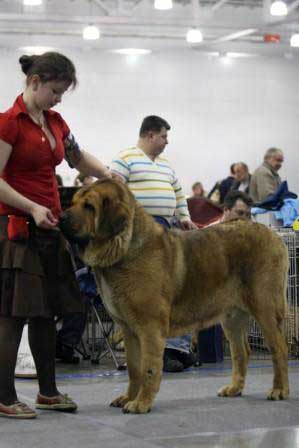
(220, 113)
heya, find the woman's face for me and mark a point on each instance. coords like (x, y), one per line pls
(198, 190)
(48, 94)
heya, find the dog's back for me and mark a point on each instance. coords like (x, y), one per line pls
(204, 273)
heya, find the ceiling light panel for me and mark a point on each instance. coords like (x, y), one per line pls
(163, 4)
(279, 8)
(91, 32)
(32, 2)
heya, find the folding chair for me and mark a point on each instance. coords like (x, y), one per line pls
(99, 325)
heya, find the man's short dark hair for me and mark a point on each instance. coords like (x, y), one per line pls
(153, 123)
(233, 196)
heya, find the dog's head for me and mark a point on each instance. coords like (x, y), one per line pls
(100, 221)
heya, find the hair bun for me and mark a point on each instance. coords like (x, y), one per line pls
(26, 62)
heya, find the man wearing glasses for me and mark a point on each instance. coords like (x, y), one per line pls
(237, 204)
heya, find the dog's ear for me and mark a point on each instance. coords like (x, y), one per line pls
(114, 218)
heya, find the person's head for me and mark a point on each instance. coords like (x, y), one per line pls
(237, 204)
(153, 134)
(241, 172)
(48, 76)
(198, 190)
(274, 158)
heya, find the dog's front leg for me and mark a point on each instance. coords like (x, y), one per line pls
(133, 357)
(151, 347)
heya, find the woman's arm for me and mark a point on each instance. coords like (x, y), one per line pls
(91, 166)
(42, 216)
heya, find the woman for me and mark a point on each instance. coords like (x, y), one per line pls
(36, 276)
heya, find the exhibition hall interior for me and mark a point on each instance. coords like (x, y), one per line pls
(149, 223)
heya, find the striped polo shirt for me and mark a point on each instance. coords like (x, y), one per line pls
(153, 183)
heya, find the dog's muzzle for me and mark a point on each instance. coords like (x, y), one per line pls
(67, 230)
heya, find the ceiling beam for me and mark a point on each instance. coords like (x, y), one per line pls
(138, 4)
(266, 9)
(102, 6)
(218, 5)
(59, 20)
(120, 7)
(237, 35)
(293, 6)
(195, 8)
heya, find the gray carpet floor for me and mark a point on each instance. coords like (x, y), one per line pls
(187, 413)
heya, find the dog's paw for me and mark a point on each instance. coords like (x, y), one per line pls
(278, 394)
(120, 401)
(136, 407)
(229, 391)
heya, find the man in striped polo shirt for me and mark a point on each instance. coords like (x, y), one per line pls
(154, 184)
(149, 175)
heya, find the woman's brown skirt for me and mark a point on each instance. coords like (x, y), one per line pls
(37, 277)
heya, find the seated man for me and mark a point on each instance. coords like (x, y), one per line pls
(237, 204)
(177, 354)
(242, 177)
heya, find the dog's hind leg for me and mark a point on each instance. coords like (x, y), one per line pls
(235, 328)
(132, 348)
(152, 345)
(271, 326)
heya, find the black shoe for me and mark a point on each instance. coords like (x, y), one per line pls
(172, 365)
(187, 359)
(170, 362)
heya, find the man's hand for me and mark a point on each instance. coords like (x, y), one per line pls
(188, 225)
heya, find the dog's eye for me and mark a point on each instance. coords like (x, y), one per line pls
(89, 207)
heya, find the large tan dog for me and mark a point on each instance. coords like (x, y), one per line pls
(157, 283)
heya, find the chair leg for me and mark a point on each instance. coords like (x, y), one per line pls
(106, 338)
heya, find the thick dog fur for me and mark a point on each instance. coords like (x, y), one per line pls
(157, 283)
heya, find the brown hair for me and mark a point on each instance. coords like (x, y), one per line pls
(50, 66)
(197, 184)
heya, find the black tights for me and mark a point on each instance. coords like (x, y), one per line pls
(42, 341)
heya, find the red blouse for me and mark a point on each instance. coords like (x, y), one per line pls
(30, 169)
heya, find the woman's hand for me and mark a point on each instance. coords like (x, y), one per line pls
(43, 217)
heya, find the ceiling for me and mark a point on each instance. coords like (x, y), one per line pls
(135, 23)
